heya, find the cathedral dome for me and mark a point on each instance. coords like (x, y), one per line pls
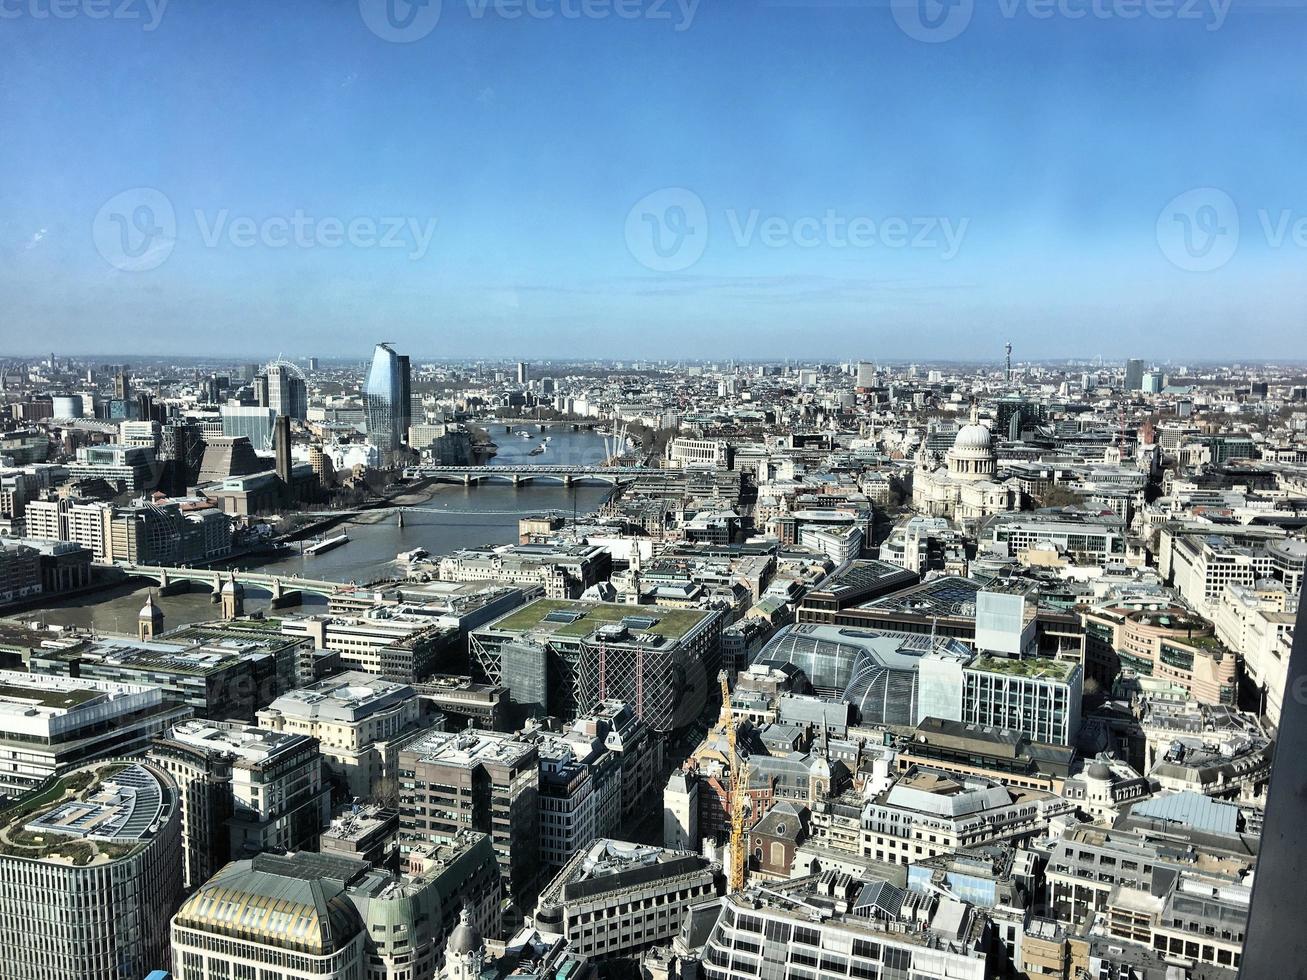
(973, 438)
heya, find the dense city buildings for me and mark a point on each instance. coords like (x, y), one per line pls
(846, 669)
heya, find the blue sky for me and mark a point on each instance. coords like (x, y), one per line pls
(1014, 182)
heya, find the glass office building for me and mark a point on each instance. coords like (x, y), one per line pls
(385, 398)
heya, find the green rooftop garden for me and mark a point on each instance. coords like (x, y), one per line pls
(17, 841)
(1038, 667)
(49, 698)
(672, 623)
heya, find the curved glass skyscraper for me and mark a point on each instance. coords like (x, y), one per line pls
(385, 400)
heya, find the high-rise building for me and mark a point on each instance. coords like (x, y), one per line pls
(281, 443)
(405, 396)
(286, 390)
(1134, 374)
(91, 873)
(521, 372)
(383, 401)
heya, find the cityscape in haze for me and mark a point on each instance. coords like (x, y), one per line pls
(652, 490)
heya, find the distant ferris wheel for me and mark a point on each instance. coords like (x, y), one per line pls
(290, 367)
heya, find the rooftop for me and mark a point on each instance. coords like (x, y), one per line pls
(1058, 670)
(468, 748)
(95, 814)
(576, 619)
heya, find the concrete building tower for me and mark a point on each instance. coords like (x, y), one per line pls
(465, 952)
(233, 599)
(281, 444)
(149, 623)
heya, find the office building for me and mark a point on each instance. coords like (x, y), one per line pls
(835, 925)
(1134, 374)
(649, 657)
(474, 780)
(564, 571)
(399, 643)
(616, 899)
(366, 832)
(899, 678)
(133, 468)
(928, 812)
(1085, 539)
(217, 675)
(290, 913)
(252, 422)
(90, 874)
(20, 573)
(277, 798)
(50, 724)
(580, 793)
(356, 719)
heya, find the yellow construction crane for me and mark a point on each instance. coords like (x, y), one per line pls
(739, 856)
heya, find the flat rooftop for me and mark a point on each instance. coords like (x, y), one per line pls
(344, 697)
(575, 619)
(246, 741)
(468, 748)
(1041, 667)
(949, 595)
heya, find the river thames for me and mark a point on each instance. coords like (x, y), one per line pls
(453, 517)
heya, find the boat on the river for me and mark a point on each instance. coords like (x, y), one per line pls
(318, 545)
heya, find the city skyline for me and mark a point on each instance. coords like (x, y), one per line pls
(841, 190)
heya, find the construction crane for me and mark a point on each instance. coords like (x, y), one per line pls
(739, 858)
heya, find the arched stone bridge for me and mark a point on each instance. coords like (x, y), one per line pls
(284, 590)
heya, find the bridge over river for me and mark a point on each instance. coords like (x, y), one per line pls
(285, 590)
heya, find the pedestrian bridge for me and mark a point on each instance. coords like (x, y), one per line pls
(284, 590)
(518, 475)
